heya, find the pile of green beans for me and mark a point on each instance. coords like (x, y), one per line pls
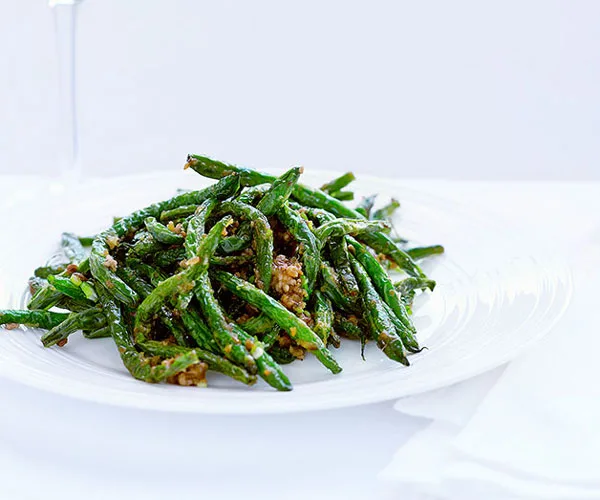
(250, 273)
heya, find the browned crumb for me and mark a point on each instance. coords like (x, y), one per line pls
(242, 273)
(297, 352)
(247, 251)
(177, 229)
(110, 263)
(71, 269)
(286, 282)
(11, 326)
(231, 228)
(112, 241)
(185, 287)
(308, 319)
(193, 375)
(284, 341)
(386, 261)
(190, 262)
(62, 342)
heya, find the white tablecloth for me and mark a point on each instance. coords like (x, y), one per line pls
(57, 447)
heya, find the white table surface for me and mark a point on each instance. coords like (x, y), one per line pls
(56, 447)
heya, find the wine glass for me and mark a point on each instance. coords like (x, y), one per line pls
(65, 17)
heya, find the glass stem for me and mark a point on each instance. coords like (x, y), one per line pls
(65, 16)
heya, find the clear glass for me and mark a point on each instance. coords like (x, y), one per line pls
(65, 20)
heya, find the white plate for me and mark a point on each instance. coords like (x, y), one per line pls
(490, 303)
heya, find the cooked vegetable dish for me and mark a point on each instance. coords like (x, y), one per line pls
(242, 277)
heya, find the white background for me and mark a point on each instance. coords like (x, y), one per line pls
(484, 90)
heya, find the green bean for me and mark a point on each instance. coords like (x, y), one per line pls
(73, 305)
(161, 233)
(338, 183)
(100, 333)
(87, 287)
(221, 190)
(115, 321)
(86, 241)
(271, 336)
(409, 339)
(237, 242)
(366, 205)
(101, 261)
(330, 286)
(382, 243)
(341, 227)
(318, 199)
(347, 328)
(67, 287)
(323, 316)
(281, 355)
(144, 244)
(334, 340)
(146, 270)
(196, 227)
(316, 214)
(178, 213)
(231, 260)
(338, 250)
(140, 366)
(215, 363)
(258, 325)
(90, 319)
(253, 194)
(199, 331)
(100, 264)
(308, 246)
(407, 287)
(343, 195)
(280, 191)
(384, 286)
(215, 169)
(221, 328)
(422, 252)
(135, 281)
(146, 369)
(169, 257)
(173, 324)
(180, 283)
(263, 238)
(278, 313)
(268, 369)
(386, 212)
(35, 319)
(223, 331)
(44, 298)
(382, 328)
